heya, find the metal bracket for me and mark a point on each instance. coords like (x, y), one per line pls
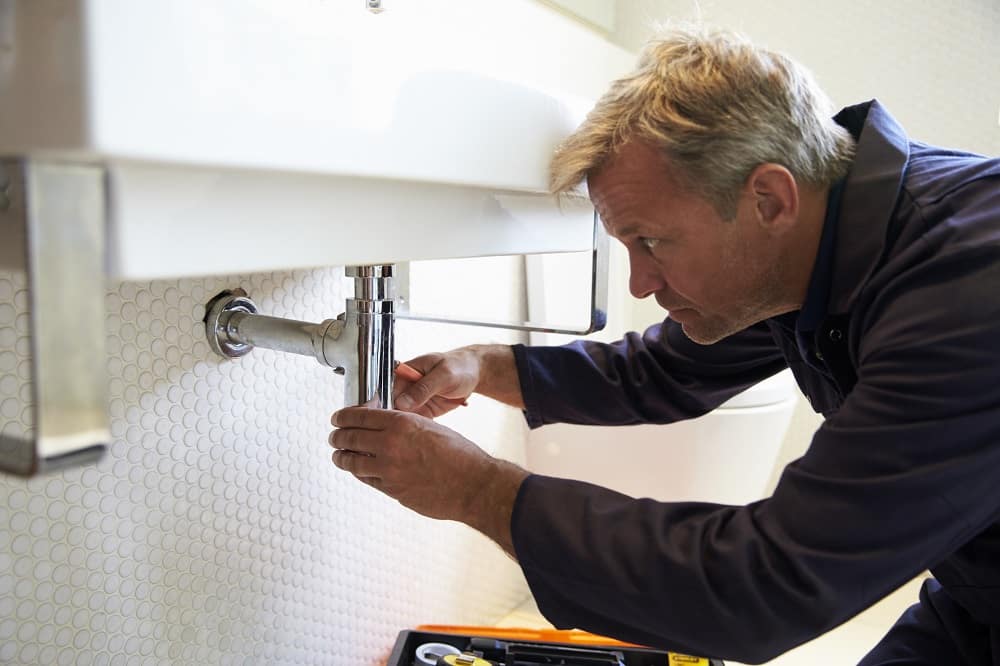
(52, 219)
(600, 252)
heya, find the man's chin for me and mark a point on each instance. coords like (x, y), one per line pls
(700, 331)
(696, 337)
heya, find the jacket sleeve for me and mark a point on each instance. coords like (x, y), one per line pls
(894, 483)
(659, 376)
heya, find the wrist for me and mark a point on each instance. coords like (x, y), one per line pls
(498, 377)
(491, 502)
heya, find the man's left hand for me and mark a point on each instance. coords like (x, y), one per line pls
(427, 467)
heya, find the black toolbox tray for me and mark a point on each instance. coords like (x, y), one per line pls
(409, 639)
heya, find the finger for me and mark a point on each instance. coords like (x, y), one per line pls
(407, 395)
(399, 384)
(425, 363)
(399, 387)
(416, 387)
(438, 406)
(360, 465)
(414, 396)
(366, 418)
(368, 442)
(351, 439)
(430, 388)
(407, 372)
(430, 411)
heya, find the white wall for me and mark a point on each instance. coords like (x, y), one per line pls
(216, 530)
(933, 64)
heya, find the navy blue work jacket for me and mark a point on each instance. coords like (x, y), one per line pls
(903, 475)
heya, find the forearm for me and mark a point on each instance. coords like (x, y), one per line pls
(491, 504)
(657, 377)
(498, 377)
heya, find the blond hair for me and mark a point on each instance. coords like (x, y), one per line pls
(716, 106)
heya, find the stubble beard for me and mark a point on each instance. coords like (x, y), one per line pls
(760, 304)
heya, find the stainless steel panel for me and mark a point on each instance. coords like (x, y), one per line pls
(597, 318)
(55, 220)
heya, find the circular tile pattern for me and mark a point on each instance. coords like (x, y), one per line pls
(216, 530)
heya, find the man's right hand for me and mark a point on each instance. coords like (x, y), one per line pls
(451, 377)
(447, 380)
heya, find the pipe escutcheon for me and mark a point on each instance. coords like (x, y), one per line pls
(217, 317)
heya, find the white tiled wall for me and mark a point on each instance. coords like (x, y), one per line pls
(216, 530)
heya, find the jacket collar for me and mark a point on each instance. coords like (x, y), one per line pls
(871, 190)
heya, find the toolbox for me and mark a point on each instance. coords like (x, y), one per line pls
(446, 645)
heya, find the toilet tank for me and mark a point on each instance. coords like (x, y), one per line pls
(725, 456)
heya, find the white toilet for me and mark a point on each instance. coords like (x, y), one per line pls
(725, 456)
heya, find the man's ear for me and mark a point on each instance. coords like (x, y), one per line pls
(774, 195)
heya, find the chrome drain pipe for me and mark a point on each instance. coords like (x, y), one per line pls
(358, 344)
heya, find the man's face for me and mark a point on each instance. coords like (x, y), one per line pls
(716, 277)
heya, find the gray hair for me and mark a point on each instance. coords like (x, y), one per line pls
(716, 106)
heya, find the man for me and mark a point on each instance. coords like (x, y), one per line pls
(775, 237)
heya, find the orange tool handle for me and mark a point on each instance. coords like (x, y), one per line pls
(574, 636)
(411, 374)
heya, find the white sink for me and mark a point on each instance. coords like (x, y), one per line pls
(305, 132)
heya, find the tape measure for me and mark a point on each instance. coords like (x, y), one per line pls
(428, 654)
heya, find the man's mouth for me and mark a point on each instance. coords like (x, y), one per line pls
(681, 314)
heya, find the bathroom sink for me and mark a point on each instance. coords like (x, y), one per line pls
(246, 135)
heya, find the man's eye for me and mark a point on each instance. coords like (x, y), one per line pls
(649, 243)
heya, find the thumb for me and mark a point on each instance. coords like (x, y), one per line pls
(423, 379)
(416, 395)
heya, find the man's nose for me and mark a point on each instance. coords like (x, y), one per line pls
(644, 278)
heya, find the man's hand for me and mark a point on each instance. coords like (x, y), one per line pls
(428, 468)
(446, 381)
(450, 377)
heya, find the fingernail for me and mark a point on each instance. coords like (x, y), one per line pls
(404, 402)
(333, 419)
